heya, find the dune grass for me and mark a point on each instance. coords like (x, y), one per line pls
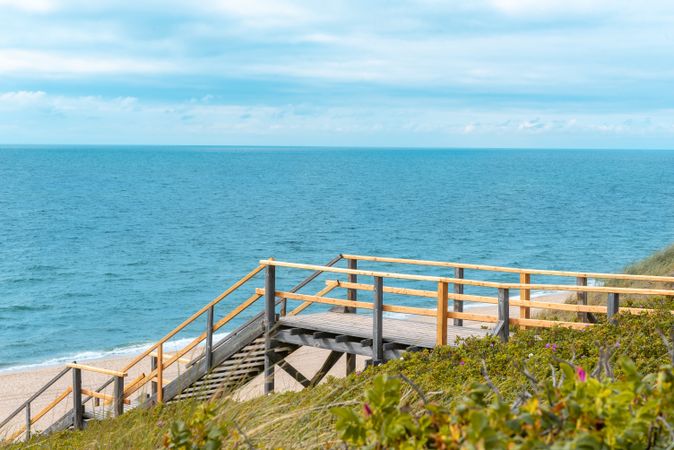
(304, 420)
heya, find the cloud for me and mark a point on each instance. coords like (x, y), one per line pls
(435, 71)
(21, 98)
(54, 63)
(32, 6)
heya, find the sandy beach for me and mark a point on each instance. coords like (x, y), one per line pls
(17, 386)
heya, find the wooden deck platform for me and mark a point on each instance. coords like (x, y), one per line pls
(413, 331)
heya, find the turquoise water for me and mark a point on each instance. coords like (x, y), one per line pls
(102, 249)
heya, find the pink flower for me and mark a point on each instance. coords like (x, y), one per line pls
(580, 372)
(462, 363)
(367, 410)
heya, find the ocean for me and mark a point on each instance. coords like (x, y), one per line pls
(104, 249)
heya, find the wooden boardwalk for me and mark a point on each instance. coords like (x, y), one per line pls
(413, 332)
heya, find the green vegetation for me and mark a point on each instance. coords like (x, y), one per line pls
(545, 388)
(445, 376)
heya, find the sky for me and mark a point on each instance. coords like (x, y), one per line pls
(423, 73)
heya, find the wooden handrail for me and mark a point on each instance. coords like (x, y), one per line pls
(468, 282)
(488, 300)
(108, 398)
(505, 269)
(114, 373)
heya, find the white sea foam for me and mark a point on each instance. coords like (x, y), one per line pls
(169, 347)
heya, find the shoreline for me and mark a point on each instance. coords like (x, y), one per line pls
(19, 383)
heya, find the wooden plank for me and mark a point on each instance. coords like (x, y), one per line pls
(560, 306)
(467, 282)
(458, 291)
(559, 273)
(441, 317)
(330, 361)
(160, 373)
(28, 422)
(118, 397)
(613, 305)
(481, 299)
(114, 373)
(78, 409)
(373, 273)
(100, 395)
(504, 314)
(208, 350)
(269, 320)
(549, 323)
(377, 321)
(473, 317)
(525, 295)
(416, 292)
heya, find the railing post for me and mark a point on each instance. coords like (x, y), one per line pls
(153, 367)
(613, 306)
(504, 314)
(458, 289)
(209, 339)
(78, 409)
(525, 295)
(28, 421)
(351, 294)
(270, 318)
(441, 315)
(582, 299)
(377, 322)
(160, 373)
(118, 397)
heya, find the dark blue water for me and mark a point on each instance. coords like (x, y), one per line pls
(103, 248)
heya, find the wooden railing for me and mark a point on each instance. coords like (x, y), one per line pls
(501, 319)
(524, 275)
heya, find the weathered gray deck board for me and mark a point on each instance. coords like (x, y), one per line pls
(420, 333)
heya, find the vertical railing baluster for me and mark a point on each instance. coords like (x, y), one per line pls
(28, 424)
(160, 373)
(504, 313)
(581, 299)
(525, 295)
(441, 314)
(377, 322)
(78, 408)
(458, 289)
(153, 367)
(613, 306)
(270, 319)
(209, 338)
(118, 397)
(351, 294)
